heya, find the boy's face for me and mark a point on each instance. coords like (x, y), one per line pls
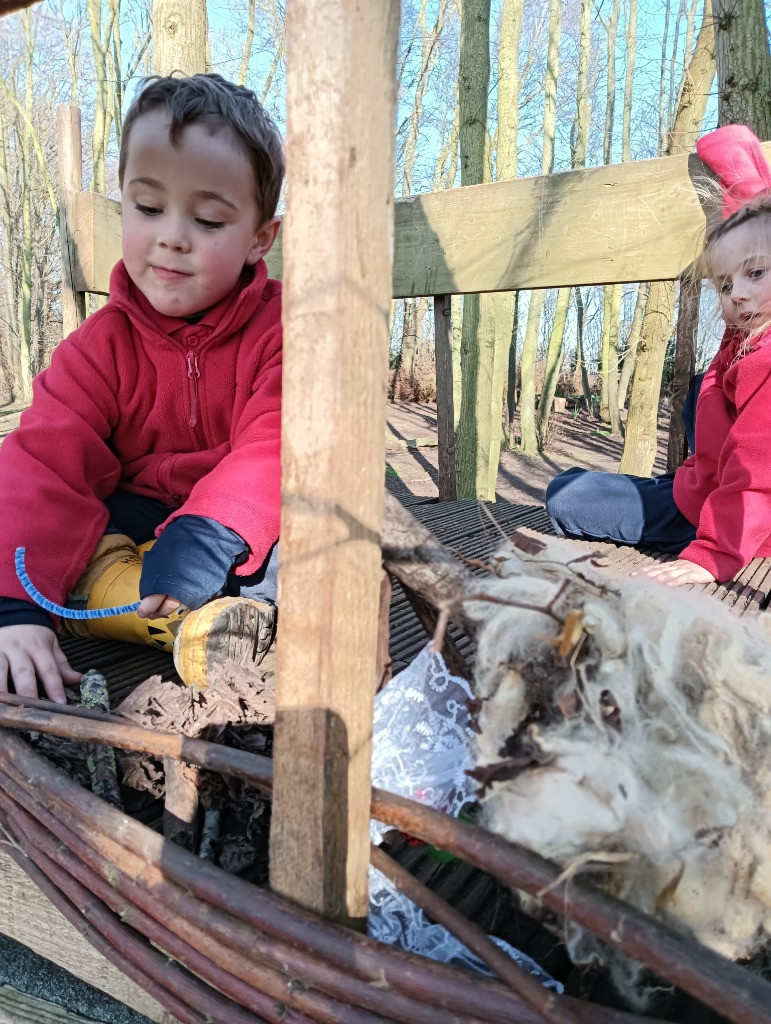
(191, 220)
(741, 270)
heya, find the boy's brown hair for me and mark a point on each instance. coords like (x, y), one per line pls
(212, 100)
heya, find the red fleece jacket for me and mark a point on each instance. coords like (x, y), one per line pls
(724, 489)
(188, 414)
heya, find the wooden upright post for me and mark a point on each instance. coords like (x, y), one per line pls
(70, 181)
(341, 92)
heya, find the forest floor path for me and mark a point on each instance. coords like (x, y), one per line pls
(577, 440)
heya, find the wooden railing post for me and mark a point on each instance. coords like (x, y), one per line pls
(70, 182)
(341, 93)
(445, 412)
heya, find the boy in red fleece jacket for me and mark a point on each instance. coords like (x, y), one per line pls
(160, 415)
(714, 513)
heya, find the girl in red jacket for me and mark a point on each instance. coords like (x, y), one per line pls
(714, 513)
(160, 415)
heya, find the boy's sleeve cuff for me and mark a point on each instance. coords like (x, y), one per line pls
(15, 612)
(191, 560)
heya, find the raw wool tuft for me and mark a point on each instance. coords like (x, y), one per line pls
(623, 717)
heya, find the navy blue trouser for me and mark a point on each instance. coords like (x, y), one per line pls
(625, 509)
(138, 516)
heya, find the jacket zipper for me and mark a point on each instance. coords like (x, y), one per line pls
(193, 374)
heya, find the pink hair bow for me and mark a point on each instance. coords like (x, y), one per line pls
(734, 154)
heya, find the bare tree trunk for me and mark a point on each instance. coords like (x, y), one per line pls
(25, 305)
(614, 312)
(610, 103)
(12, 383)
(478, 334)
(581, 378)
(663, 125)
(612, 298)
(511, 379)
(640, 441)
(527, 420)
(554, 355)
(509, 85)
(630, 48)
(180, 35)
(246, 53)
(102, 41)
(553, 364)
(627, 367)
(743, 65)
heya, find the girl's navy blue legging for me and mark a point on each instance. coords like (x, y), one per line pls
(626, 509)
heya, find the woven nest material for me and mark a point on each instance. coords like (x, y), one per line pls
(209, 946)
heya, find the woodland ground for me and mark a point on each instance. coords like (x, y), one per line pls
(577, 440)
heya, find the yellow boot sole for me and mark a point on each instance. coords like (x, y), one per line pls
(232, 631)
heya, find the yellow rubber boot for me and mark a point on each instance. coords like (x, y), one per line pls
(112, 578)
(233, 633)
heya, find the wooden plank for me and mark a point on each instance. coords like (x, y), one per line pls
(445, 410)
(341, 98)
(638, 221)
(19, 1008)
(27, 917)
(70, 184)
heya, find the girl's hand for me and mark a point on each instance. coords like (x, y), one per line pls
(677, 573)
(157, 606)
(31, 653)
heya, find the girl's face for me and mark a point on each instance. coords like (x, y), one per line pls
(740, 262)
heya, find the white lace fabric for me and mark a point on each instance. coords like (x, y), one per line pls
(422, 745)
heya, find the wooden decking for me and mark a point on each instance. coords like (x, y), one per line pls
(474, 530)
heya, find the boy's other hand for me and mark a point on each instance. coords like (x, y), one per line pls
(31, 653)
(677, 573)
(157, 606)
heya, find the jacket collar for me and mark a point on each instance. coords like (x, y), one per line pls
(228, 315)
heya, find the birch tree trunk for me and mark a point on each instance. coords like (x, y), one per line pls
(554, 355)
(612, 298)
(415, 309)
(743, 65)
(180, 35)
(509, 85)
(25, 298)
(527, 422)
(640, 441)
(246, 52)
(630, 356)
(581, 376)
(475, 440)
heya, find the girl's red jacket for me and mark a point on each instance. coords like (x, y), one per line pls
(724, 489)
(186, 413)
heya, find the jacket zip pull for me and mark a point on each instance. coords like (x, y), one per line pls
(193, 374)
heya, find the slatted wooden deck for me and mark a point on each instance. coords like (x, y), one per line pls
(475, 530)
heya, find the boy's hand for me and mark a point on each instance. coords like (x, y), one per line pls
(32, 653)
(157, 606)
(677, 573)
